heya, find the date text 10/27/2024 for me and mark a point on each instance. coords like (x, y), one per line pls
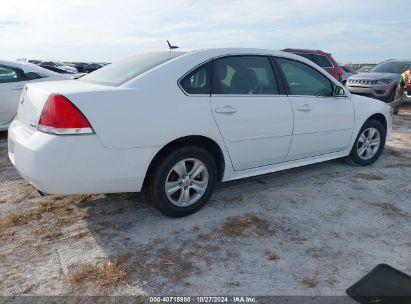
(231, 299)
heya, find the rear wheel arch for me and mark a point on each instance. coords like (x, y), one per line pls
(193, 140)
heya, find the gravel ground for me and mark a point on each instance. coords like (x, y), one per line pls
(312, 231)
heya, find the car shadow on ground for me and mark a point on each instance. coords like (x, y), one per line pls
(3, 134)
(168, 254)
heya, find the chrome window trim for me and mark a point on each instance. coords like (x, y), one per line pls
(217, 57)
(249, 95)
(311, 96)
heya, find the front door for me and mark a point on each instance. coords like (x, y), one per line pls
(323, 123)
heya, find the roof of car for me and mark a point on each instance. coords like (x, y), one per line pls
(306, 51)
(215, 52)
(397, 60)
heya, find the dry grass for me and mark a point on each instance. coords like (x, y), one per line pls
(271, 256)
(170, 263)
(5, 234)
(246, 225)
(48, 233)
(16, 219)
(310, 282)
(232, 283)
(398, 165)
(102, 277)
(392, 152)
(370, 177)
(390, 210)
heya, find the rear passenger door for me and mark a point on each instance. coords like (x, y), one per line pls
(323, 123)
(251, 110)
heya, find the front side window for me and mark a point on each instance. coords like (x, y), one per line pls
(251, 75)
(8, 74)
(198, 81)
(304, 80)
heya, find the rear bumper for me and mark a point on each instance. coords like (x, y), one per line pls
(77, 164)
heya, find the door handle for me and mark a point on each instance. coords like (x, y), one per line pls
(305, 108)
(226, 110)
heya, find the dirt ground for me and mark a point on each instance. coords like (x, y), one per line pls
(312, 231)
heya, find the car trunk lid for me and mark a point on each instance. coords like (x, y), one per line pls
(34, 97)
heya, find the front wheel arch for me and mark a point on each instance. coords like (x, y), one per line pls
(372, 122)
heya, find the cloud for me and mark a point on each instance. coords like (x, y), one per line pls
(10, 23)
(111, 29)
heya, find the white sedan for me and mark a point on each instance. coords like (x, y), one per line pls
(13, 76)
(175, 123)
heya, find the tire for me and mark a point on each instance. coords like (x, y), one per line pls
(361, 158)
(176, 204)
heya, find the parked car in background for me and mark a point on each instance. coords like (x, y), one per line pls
(13, 76)
(324, 60)
(364, 69)
(34, 61)
(87, 67)
(347, 72)
(381, 81)
(92, 67)
(80, 66)
(69, 74)
(59, 65)
(270, 111)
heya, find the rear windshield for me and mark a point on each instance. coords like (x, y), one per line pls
(320, 60)
(396, 67)
(122, 71)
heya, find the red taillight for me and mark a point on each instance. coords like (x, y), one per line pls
(61, 116)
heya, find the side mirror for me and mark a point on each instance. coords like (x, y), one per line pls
(339, 91)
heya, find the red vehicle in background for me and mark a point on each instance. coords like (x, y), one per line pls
(324, 60)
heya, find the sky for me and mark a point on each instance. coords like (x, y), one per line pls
(360, 31)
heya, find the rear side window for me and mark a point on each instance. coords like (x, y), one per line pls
(304, 80)
(322, 61)
(198, 81)
(251, 75)
(8, 74)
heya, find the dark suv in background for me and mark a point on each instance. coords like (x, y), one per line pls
(381, 81)
(323, 59)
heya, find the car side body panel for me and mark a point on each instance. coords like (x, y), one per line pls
(133, 122)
